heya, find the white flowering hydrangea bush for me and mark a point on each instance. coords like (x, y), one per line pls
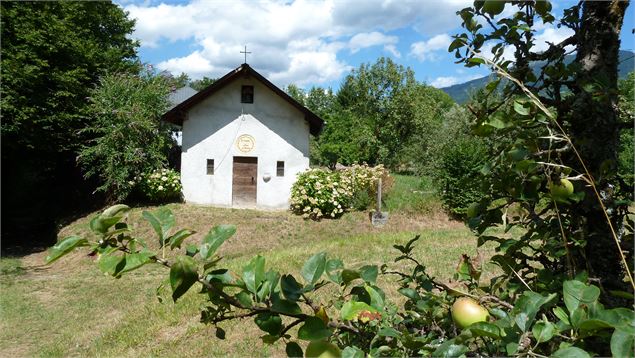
(160, 185)
(320, 193)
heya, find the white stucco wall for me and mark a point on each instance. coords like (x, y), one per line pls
(211, 130)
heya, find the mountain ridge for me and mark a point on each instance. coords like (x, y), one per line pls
(460, 93)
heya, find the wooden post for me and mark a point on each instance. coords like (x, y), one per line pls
(378, 218)
(379, 196)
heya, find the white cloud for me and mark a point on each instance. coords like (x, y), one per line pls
(428, 50)
(441, 82)
(194, 64)
(370, 39)
(392, 49)
(291, 41)
(425, 16)
(552, 35)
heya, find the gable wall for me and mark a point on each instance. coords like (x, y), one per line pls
(211, 130)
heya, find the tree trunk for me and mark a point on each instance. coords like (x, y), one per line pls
(595, 131)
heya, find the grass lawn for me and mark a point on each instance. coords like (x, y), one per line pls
(71, 309)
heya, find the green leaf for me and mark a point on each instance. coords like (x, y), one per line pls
(136, 260)
(618, 318)
(543, 331)
(333, 270)
(283, 306)
(161, 221)
(476, 60)
(191, 250)
(560, 313)
(177, 239)
(622, 343)
(269, 322)
(183, 274)
(154, 222)
(269, 339)
(101, 225)
(388, 332)
(291, 289)
(484, 329)
(314, 268)
(351, 309)
(221, 276)
(576, 293)
(294, 350)
(115, 210)
(215, 238)
(376, 300)
(593, 324)
(352, 352)
(527, 306)
(570, 352)
(456, 44)
(245, 299)
(349, 275)
(111, 262)
(522, 108)
(64, 247)
(409, 292)
(369, 273)
(269, 284)
(450, 348)
(220, 333)
(313, 329)
(254, 273)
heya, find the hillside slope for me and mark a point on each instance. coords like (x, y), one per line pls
(461, 92)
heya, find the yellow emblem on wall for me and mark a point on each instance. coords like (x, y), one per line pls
(245, 143)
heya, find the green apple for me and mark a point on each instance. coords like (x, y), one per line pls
(561, 191)
(493, 7)
(466, 311)
(322, 349)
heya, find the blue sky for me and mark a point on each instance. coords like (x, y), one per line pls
(313, 42)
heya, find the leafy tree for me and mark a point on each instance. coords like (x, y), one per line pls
(377, 94)
(203, 83)
(296, 93)
(52, 55)
(384, 112)
(453, 158)
(129, 138)
(583, 97)
(179, 81)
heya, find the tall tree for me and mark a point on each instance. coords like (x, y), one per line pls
(203, 83)
(391, 107)
(128, 137)
(52, 55)
(584, 96)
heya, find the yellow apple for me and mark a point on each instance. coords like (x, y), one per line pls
(466, 311)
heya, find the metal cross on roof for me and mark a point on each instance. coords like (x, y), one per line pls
(245, 52)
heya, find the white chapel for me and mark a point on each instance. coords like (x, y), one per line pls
(244, 140)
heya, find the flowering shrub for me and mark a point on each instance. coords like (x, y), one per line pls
(160, 185)
(324, 193)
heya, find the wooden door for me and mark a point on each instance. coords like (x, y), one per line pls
(244, 180)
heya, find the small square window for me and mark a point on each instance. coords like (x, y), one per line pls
(210, 167)
(247, 94)
(280, 168)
